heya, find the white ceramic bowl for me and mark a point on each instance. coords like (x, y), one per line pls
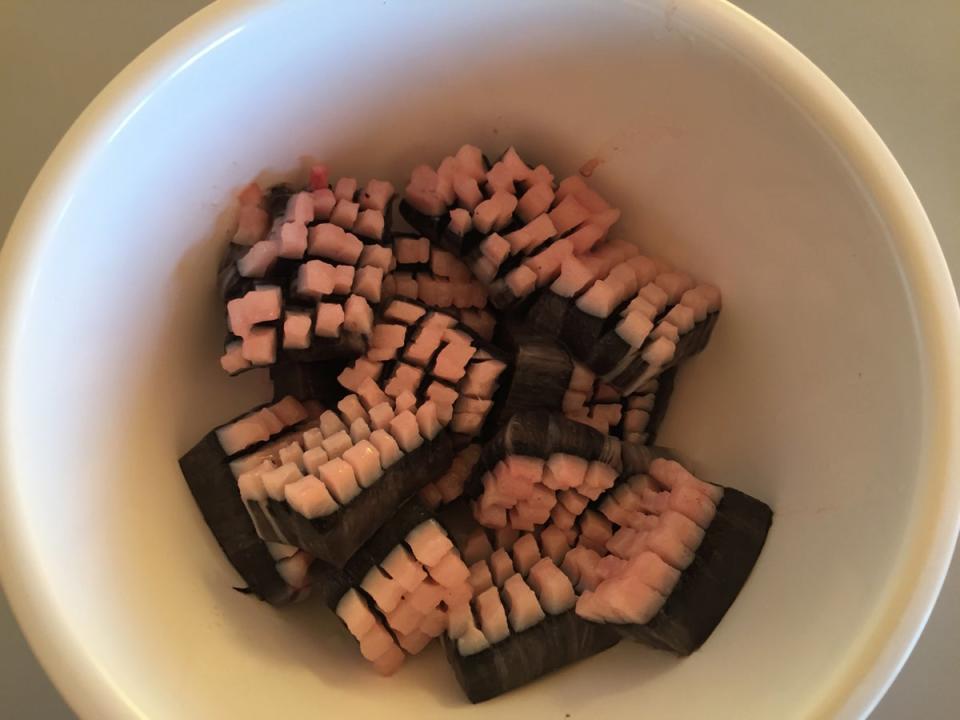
(830, 389)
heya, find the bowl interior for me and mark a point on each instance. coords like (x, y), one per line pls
(809, 396)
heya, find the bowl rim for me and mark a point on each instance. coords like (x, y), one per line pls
(866, 670)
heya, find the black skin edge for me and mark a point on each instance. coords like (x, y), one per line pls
(386, 538)
(706, 333)
(500, 295)
(328, 582)
(608, 350)
(335, 538)
(308, 381)
(292, 291)
(635, 458)
(523, 306)
(285, 269)
(611, 321)
(348, 346)
(300, 304)
(301, 300)
(708, 588)
(539, 377)
(471, 251)
(452, 242)
(386, 237)
(261, 523)
(505, 301)
(581, 330)
(663, 313)
(461, 441)
(471, 244)
(276, 198)
(413, 268)
(230, 282)
(463, 246)
(425, 382)
(457, 519)
(695, 341)
(660, 404)
(284, 520)
(510, 262)
(467, 247)
(686, 348)
(547, 243)
(548, 314)
(388, 370)
(512, 331)
(215, 491)
(553, 643)
(524, 433)
(431, 361)
(540, 434)
(499, 410)
(634, 369)
(428, 226)
(687, 342)
(334, 592)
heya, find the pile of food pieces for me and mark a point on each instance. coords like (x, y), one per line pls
(461, 445)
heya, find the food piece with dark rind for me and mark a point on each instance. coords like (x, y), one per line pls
(214, 488)
(688, 345)
(553, 643)
(708, 587)
(661, 404)
(283, 270)
(335, 538)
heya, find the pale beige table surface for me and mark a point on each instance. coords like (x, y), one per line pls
(899, 60)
